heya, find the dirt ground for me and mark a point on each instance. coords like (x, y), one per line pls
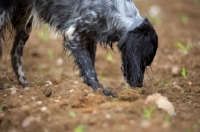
(68, 105)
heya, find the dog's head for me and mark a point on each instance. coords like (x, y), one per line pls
(137, 51)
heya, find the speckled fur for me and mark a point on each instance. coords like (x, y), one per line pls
(82, 24)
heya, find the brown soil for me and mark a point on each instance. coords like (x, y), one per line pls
(69, 105)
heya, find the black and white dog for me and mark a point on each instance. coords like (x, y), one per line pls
(82, 24)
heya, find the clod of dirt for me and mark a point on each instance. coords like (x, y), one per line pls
(47, 92)
(161, 102)
(30, 119)
(129, 95)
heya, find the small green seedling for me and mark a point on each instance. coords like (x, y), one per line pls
(184, 19)
(72, 114)
(166, 84)
(167, 118)
(7, 85)
(42, 34)
(155, 20)
(109, 57)
(79, 128)
(182, 91)
(36, 81)
(50, 54)
(184, 73)
(1, 107)
(185, 49)
(126, 86)
(148, 112)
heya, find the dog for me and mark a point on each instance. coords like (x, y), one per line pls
(83, 24)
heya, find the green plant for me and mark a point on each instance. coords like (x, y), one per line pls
(79, 128)
(148, 112)
(7, 85)
(167, 118)
(182, 91)
(126, 86)
(2, 106)
(109, 57)
(36, 81)
(50, 54)
(184, 73)
(184, 19)
(72, 114)
(155, 20)
(185, 49)
(198, 89)
(42, 34)
(166, 84)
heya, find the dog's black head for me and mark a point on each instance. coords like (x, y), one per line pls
(138, 51)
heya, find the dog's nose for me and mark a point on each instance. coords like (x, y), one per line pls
(139, 85)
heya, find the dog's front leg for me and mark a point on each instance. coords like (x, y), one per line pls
(83, 61)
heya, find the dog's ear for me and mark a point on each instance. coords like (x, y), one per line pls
(154, 45)
(149, 40)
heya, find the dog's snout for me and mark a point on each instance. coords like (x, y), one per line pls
(139, 85)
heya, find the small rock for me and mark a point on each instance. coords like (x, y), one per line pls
(72, 90)
(161, 102)
(76, 82)
(154, 11)
(20, 96)
(28, 120)
(59, 61)
(108, 116)
(176, 71)
(26, 88)
(56, 100)
(44, 108)
(190, 83)
(39, 102)
(33, 98)
(13, 90)
(145, 124)
(49, 82)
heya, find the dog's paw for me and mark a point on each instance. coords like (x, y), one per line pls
(24, 85)
(108, 93)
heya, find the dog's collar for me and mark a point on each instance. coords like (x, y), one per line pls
(133, 26)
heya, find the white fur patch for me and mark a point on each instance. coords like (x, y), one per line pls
(69, 32)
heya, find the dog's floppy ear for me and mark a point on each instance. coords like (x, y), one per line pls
(154, 45)
(149, 39)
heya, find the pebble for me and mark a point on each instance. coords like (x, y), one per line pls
(59, 61)
(108, 116)
(26, 88)
(76, 82)
(20, 96)
(33, 98)
(48, 83)
(44, 108)
(154, 11)
(39, 102)
(72, 90)
(176, 71)
(145, 124)
(13, 90)
(29, 120)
